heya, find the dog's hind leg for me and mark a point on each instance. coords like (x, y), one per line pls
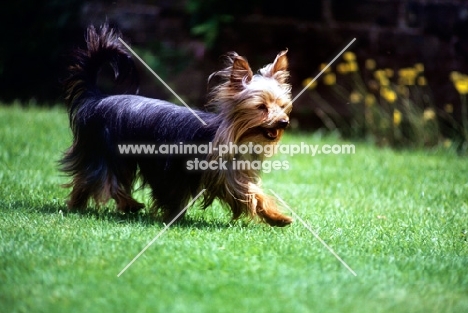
(120, 189)
(79, 195)
(126, 203)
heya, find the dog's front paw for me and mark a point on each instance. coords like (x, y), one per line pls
(277, 219)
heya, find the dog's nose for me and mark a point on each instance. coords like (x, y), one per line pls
(283, 123)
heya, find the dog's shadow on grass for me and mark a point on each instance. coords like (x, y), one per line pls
(141, 218)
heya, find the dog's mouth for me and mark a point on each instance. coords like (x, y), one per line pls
(270, 133)
(275, 131)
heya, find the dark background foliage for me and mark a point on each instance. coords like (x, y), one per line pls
(35, 37)
(182, 40)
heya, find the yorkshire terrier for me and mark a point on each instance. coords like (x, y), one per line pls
(248, 108)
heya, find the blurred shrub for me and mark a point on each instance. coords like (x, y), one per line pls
(391, 108)
(209, 17)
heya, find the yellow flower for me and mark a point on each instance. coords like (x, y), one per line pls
(353, 66)
(323, 65)
(355, 97)
(419, 67)
(381, 76)
(461, 85)
(396, 117)
(384, 81)
(448, 108)
(388, 94)
(307, 83)
(349, 56)
(369, 100)
(428, 114)
(422, 81)
(407, 76)
(370, 64)
(391, 96)
(329, 79)
(460, 81)
(342, 68)
(349, 67)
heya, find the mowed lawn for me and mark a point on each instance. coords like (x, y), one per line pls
(399, 219)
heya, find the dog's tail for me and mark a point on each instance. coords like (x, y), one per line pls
(102, 47)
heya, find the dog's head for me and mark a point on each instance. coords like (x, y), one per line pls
(255, 107)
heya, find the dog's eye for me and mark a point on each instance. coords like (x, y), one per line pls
(262, 107)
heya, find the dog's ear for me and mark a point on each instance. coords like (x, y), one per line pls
(240, 71)
(278, 69)
(281, 62)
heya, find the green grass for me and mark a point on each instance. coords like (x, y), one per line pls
(399, 219)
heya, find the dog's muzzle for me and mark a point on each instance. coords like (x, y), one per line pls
(273, 132)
